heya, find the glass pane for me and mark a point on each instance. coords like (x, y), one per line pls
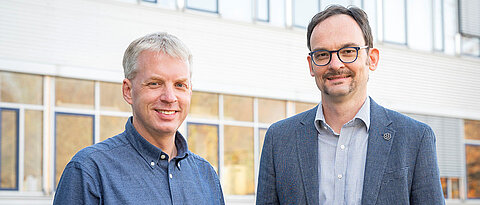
(438, 24)
(204, 105)
(238, 178)
(238, 108)
(171, 4)
(277, 12)
(473, 171)
(203, 140)
(420, 33)
(111, 126)
(236, 10)
(301, 107)
(32, 180)
(444, 186)
(370, 7)
(470, 46)
(111, 97)
(303, 11)
(394, 21)
(21, 88)
(455, 188)
(261, 139)
(270, 111)
(9, 147)
(205, 5)
(74, 93)
(472, 129)
(66, 143)
(262, 10)
(325, 3)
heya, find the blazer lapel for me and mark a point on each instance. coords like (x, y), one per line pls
(380, 138)
(307, 150)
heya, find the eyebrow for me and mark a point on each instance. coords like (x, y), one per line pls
(349, 44)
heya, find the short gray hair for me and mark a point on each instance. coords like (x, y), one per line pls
(160, 42)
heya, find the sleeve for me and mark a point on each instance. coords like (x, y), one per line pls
(76, 186)
(426, 185)
(266, 190)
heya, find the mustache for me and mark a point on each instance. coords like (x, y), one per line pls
(331, 73)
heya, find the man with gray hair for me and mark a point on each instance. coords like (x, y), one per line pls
(149, 163)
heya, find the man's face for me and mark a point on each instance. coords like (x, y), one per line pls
(338, 79)
(159, 94)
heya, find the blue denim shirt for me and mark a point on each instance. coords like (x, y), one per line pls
(127, 169)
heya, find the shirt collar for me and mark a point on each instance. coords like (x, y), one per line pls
(363, 114)
(149, 152)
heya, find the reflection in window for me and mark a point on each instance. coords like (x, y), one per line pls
(473, 171)
(8, 149)
(270, 111)
(277, 12)
(72, 133)
(21, 88)
(74, 93)
(236, 10)
(420, 35)
(232, 106)
(444, 187)
(472, 129)
(111, 97)
(303, 11)
(203, 5)
(263, 10)
(261, 139)
(204, 105)
(238, 178)
(470, 46)
(455, 188)
(203, 140)
(111, 126)
(302, 107)
(394, 21)
(32, 180)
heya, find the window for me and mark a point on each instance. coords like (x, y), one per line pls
(111, 98)
(470, 46)
(438, 33)
(263, 10)
(32, 179)
(203, 5)
(111, 126)
(72, 133)
(204, 105)
(394, 25)
(21, 88)
(232, 105)
(203, 140)
(277, 12)
(472, 151)
(82, 90)
(236, 10)
(420, 24)
(302, 107)
(303, 11)
(270, 111)
(9, 149)
(261, 138)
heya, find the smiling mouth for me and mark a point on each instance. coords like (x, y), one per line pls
(337, 77)
(166, 112)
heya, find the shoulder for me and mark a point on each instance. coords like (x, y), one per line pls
(199, 161)
(403, 121)
(100, 150)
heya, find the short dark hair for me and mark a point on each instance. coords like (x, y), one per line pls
(356, 13)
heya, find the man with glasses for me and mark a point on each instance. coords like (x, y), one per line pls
(348, 149)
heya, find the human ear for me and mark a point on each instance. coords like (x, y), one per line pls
(127, 90)
(373, 57)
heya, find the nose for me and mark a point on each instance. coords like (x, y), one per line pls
(168, 95)
(335, 62)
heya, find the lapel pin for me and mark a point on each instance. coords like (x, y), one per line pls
(387, 136)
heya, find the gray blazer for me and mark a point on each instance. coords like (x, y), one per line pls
(401, 165)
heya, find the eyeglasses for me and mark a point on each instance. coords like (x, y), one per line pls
(346, 55)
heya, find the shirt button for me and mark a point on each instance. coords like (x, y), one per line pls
(162, 156)
(171, 176)
(342, 147)
(152, 163)
(339, 176)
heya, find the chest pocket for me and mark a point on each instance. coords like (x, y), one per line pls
(394, 188)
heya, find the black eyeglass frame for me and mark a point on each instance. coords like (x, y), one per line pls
(357, 48)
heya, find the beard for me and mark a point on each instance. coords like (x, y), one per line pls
(341, 72)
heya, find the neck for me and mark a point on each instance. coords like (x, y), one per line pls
(337, 112)
(164, 142)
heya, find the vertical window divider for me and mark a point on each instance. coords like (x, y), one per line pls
(96, 137)
(256, 146)
(50, 168)
(221, 163)
(21, 148)
(46, 122)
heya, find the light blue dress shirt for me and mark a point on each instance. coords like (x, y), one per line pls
(341, 160)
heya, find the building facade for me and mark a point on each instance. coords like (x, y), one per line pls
(61, 74)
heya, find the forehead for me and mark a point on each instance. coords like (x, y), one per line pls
(336, 31)
(162, 64)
